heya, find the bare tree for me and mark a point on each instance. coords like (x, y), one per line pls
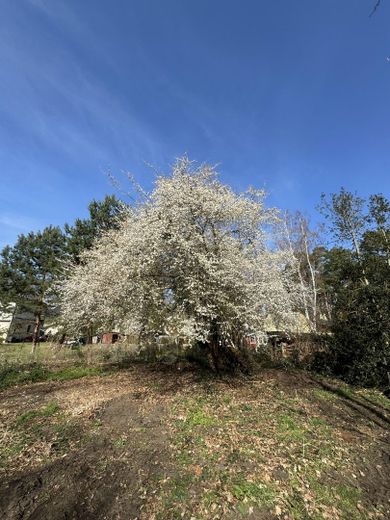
(301, 241)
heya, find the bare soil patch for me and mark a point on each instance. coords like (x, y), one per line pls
(147, 443)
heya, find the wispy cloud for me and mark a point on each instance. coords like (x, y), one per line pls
(14, 224)
(22, 223)
(140, 138)
(67, 107)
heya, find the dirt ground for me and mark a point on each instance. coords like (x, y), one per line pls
(146, 443)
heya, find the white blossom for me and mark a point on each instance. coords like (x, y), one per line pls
(194, 255)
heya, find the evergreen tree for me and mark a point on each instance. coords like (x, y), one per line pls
(358, 281)
(29, 271)
(103, 216)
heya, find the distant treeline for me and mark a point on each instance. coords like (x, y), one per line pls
(345, 289)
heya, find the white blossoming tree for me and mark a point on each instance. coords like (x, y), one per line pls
(194, 259)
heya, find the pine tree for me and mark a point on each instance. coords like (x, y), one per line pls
(29, 271)
(103, 216)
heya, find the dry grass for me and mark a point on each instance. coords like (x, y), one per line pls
(52, 354)
(276, 446)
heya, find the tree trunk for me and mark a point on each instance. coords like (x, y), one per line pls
(328, 308)
(89, 337)
(299, 273)
(386, 244)
(224, 357)
(214, 346)
(313, 281)
(36, 333)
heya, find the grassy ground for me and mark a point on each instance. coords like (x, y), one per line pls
(148, 443)
(51, 354)
(53, 363)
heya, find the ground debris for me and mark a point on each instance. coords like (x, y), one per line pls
(147, 444)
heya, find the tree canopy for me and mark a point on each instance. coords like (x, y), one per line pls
(192, 260)
(30, 270)
(358, 281)
(103, 215)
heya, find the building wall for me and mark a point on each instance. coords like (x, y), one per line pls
(22, 326)
(6, 318)
(15, 325)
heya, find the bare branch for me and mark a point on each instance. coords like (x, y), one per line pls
(375, 7)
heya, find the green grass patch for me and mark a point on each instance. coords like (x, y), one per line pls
(48, 424)
(345, 498)
(175, 495)
(196, 415)
(179, 487)
(324, 496)
(52, 354)
(120, 442)
(199, 418)
(12, 375)
(11, 449)
(209, 498)
(276, 453)
(289, 427)
(375, 397)
(325, 394)
(256, 492)
(47, 411)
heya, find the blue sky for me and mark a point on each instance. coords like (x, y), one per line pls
(290, 96)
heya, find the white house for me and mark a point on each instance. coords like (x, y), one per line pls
(15, 326)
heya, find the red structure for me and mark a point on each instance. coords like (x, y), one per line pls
(250, 342)
(110, 337)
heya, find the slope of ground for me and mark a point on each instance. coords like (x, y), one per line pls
(150, 444)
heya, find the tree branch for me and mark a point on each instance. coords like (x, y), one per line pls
(375, 7)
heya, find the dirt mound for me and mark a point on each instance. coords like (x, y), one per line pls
(103, 480)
